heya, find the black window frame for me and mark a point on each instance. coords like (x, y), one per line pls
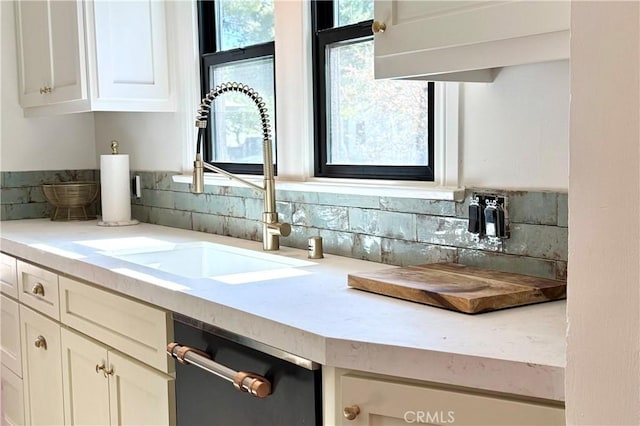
(210, 56)
(324, 34)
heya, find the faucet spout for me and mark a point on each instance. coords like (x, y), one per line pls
(272, 229)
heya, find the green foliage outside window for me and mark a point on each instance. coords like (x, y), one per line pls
(244, 23)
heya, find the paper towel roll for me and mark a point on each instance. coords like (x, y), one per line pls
(115, 190)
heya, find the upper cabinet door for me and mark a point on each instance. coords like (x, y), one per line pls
(464, 40)
(34, 59)
(68, 81)
(50, 53)
(128, 45)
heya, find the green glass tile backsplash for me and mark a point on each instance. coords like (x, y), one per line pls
(393, 230)
(21, 196)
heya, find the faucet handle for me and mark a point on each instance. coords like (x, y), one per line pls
(270, 220)
(281, 229)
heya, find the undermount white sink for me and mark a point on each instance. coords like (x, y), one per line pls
(217, 261)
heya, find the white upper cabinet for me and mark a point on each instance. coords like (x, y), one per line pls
(50, 52)
(77, 56)
(466, 40)
(129, 66)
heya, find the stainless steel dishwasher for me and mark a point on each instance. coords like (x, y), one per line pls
(228, 380)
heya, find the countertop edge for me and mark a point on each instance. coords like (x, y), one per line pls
(475, 372)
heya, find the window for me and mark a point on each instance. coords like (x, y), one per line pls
(237, 44)
(365, 128)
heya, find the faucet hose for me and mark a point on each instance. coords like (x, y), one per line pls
(203, 115)
(205, 106)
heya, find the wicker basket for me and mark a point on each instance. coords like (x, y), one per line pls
(71, 199)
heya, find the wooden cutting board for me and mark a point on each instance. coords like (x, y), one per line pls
(458, 287)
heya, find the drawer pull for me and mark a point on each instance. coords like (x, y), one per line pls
(40, 342)
(350, 413)
(38, 289)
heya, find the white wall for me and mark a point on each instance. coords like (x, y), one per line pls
(603, 374)
(152, 140)
(515, 130)
(51, 143)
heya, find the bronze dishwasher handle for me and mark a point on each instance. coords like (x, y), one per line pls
(251, 383)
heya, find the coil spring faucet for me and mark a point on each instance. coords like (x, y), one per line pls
(271, 228)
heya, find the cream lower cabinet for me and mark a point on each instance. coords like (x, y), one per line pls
(104, 387)
(85, 380)
(8, 275)
(353, 399)
(10, 352)
(76, 354)
(11, 389)
(11, 401)
(116, 370)
(42, 369)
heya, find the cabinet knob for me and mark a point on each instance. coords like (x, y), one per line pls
(38, 289)
(45, 89)
(100, 368)
(40, 342)
(350, 413)
(106, 373)
(378, 27)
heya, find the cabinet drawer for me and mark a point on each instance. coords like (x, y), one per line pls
(11, 398)
(10, 337)
(134, 328)
(8, 275)
(394, 403)
(38, 288)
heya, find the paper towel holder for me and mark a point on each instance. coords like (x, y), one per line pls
(104, 160)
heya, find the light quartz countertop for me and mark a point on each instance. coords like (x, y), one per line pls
(316, 316)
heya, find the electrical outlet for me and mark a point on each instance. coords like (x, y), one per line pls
(136, 188)
(495, 213)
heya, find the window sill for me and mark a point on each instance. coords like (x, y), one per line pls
(400, 189)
